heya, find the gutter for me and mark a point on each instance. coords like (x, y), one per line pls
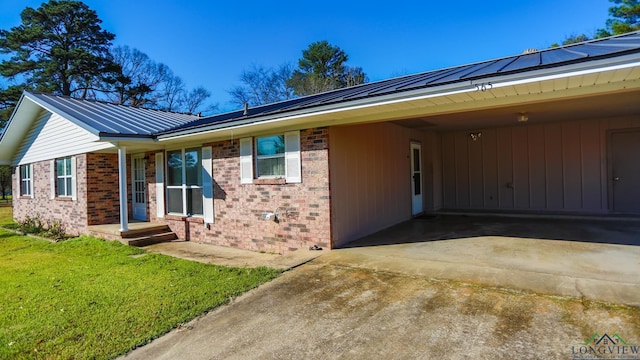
(466, 86)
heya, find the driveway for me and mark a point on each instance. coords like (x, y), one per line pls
(466, 297)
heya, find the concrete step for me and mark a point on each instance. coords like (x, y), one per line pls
(150, 239)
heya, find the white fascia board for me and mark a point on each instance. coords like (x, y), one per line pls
(572, 70)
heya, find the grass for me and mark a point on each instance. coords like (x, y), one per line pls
(89, 298)
(6, 215)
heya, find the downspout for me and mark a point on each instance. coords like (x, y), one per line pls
(122, 179)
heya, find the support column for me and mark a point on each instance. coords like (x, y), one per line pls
(122, 176)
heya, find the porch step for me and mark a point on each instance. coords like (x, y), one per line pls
(138, 234)
(150, 239)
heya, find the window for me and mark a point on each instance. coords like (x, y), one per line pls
(184, 181)
(276, 156)
(64, 177)
(270, 156)
(26, 180)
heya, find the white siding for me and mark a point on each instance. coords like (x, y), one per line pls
(52, 136)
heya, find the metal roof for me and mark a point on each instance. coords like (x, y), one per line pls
(111, 119)
(522, 63)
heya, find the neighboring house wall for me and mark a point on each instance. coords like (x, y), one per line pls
(371, 180)
(303, 208)
(72, 214)
(557, 167)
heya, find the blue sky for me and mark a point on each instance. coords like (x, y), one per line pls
(209, 43)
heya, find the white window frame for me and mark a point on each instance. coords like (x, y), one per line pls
(292, 158)
(66, 177)
(26, 180)
(263, 157)
(183, 187)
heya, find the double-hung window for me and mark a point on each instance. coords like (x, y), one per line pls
(64, 177)
(26, 180)
(270, 156)
(184, 182)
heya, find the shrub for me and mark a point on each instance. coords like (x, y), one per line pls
(54, 229)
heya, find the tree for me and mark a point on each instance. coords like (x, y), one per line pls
(195, 98)
(572, 39)
(59, 48)
(138, 78)
(5, 179)
(262, 85)
(322, 68)
(624, 18)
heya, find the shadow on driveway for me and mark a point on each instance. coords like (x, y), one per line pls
(446, 227)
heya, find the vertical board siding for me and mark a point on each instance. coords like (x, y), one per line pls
(520, 148)
(462, 170)
(490, 168)
(552, 167)
(537, 168)
(505, 168)
(554, 164)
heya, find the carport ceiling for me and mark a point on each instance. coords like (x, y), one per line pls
(610, 105)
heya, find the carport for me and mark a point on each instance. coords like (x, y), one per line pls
(585, 257)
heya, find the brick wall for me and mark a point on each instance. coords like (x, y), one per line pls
(71, 213)
(103, 204)
(303, 208)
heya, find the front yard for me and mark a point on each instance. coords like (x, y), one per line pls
(88, 298)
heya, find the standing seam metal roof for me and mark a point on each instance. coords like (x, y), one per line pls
(587, 51)
(113, 119)
(119, 120)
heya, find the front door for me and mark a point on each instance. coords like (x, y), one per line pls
(416, 178)
(138, 190)
(625, 172)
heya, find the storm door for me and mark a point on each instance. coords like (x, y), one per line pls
(416, 179)
(138, 190)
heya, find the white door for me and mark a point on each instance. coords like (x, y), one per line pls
(138, 191)
(416, 179)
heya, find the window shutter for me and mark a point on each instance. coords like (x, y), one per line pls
(207, 185)
(18, 188)
(52, 178)
(31, 187)
(246, 161)
(74, 185)
(159, 185)
(293, 168)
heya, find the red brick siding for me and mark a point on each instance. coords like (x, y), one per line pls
(72, 214)
(303, 209)
(103, 204)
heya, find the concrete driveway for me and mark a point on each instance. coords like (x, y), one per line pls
(480, 297)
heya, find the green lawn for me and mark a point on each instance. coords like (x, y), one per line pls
(88, 298)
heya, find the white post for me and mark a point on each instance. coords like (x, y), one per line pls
(122, 174)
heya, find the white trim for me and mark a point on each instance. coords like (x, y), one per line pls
(160, 185)
(246, 160)
(207, 185)
(122, 187)
(52, 179)
(74, 179)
